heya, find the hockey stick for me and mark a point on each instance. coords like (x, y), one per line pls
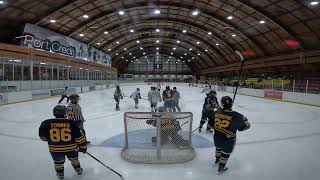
(106, 166)
(238, 82)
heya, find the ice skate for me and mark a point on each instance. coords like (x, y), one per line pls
(222, 169)
(60, 175)
(79, 170)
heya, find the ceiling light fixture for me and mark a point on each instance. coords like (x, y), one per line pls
(178, 42)
(124, 49)
(313, 3)
(206, 50)
(121, 12)
(195, 12)
(174, 48)
(141, 48)
(131, 30)
(106, 32)
(85, 16)
(198, 42)
(1, 2)
(52, 20)
(157, 30)
(98, 43)
(184, 31)
(157, 41)
(209, 33)
(117, 42)
(262, 22)
(81, 35)
(233, 35)
(138, 42)
(229, 17)
(190, 49)
(217, 44)
(157, 48)
(157, 11)
(109, 49)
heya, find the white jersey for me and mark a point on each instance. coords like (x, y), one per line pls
(154, 96)
(135, 95)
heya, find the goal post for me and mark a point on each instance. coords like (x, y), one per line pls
(158, 137)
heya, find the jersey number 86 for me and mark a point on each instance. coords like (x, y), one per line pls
(57, 135)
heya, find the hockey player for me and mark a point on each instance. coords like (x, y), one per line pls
(64, 139)
(209, 107)
(176, 97)
(117, 95)
(226, 124)
(205, 89)
(64, 95)
(159, 87)
(167, 97)
(136, 96)
(169, 128)
(154, 97)
(74, 112)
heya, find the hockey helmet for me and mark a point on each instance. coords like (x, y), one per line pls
(226, 102)
(60, 111)
(162, 109)
(74, 98)
(167, 87)
(213, 92)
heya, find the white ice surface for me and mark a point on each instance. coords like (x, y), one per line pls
(283, 143)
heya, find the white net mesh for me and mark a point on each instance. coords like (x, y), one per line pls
(158, 137)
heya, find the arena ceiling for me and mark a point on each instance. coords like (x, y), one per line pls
(204, 33)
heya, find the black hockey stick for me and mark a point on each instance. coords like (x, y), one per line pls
(238, 82)
(106, 166)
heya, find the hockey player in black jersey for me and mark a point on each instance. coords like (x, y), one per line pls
(74, 112)
(226, 124)
(64, 139)
(64, 95)
(209, 106)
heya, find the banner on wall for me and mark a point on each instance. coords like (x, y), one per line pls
(273, 94)
(40, 38)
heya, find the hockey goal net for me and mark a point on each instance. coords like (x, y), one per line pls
(158, 137)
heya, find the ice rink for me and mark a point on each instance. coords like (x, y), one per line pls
(282, 144)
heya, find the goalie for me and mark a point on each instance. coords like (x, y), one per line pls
(169, 129)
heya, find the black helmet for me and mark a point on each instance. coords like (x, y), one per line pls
(212, 92)
(226, 102)
(60, 111)
(138, 89)
(74, 98)
(174, 88)
(167, 87)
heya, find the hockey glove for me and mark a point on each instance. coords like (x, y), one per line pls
(83, 150)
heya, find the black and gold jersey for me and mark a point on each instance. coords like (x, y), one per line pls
(210, 103)
(62, 135)
(228, 122)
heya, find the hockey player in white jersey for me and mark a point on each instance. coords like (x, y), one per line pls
(154, 97)
(136, 96)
